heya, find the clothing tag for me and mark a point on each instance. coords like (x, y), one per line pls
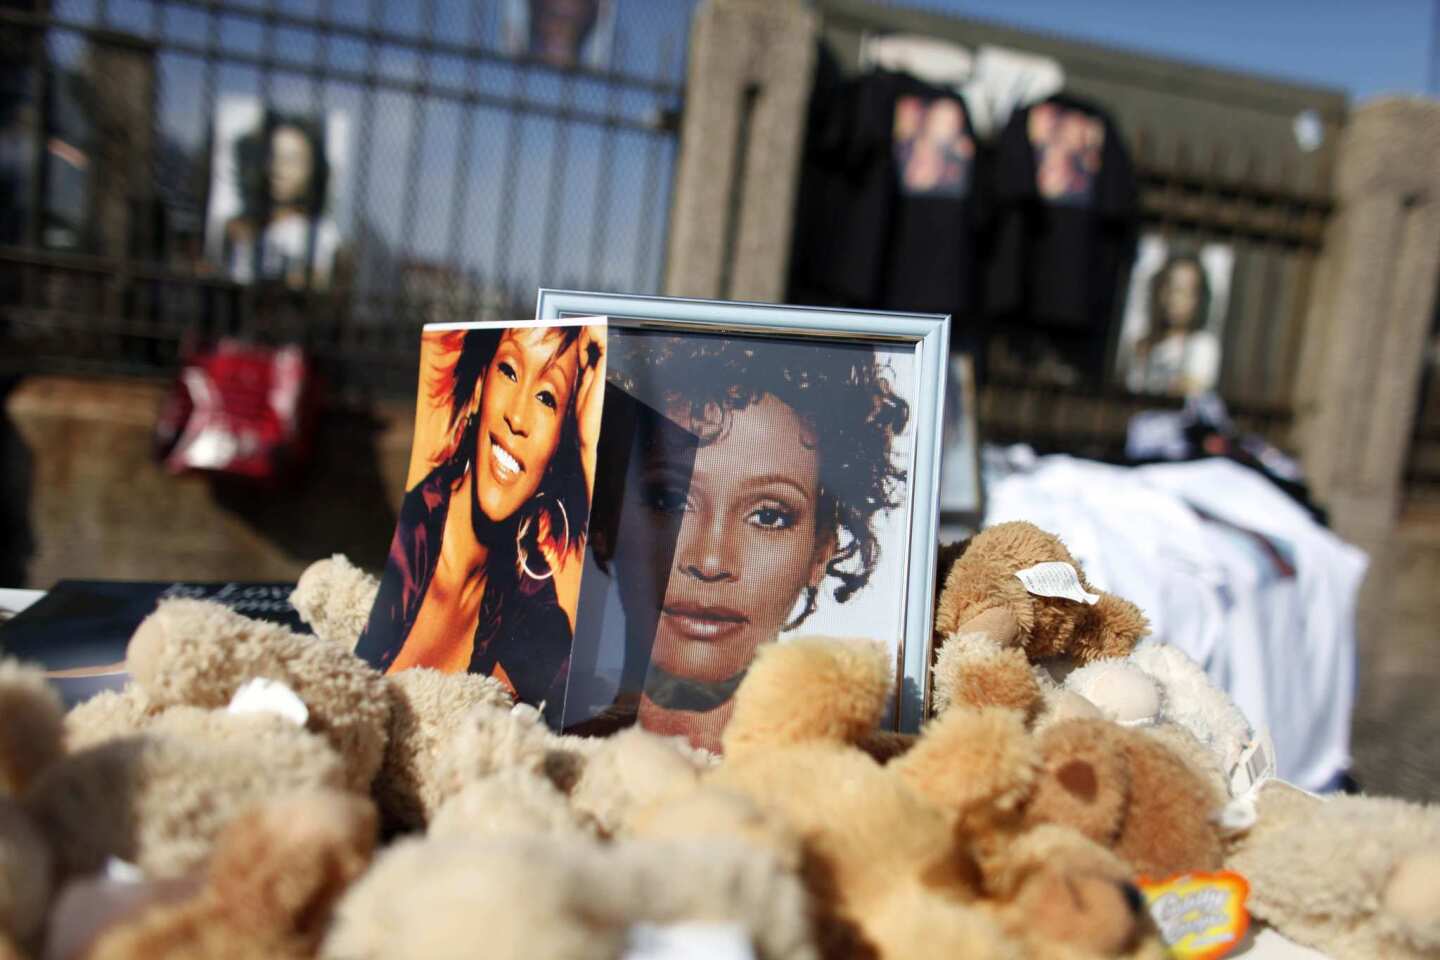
(1255, 766)
(1201, 916)
(269, 696)
(688, 941)
(1056, 578)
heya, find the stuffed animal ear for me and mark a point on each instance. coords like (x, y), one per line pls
(1084, 781)
(972, 762)
(32, 724)
(1094, 914)
(281, 868)
(983, 597)
(1119, 626)
(334, 597)
(977, 671)
(810, 689)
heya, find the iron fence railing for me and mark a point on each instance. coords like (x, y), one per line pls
(465, 169)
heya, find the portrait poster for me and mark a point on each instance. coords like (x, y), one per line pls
(1171, 337)
(278, 187)
(1068, 145)
(561, 33)
(934, 153)
(484, 570)
(769, 488)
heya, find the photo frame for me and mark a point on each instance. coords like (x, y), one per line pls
(484, 571)
(886, 555)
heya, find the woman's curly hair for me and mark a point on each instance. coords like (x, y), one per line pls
(840, 391)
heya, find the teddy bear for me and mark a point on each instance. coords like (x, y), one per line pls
(1151, 793)
(1354, 876)
(1008, 623)
(883, 844)
(984, 593)
(268, 890)
(31, 734)
(551, 845)
(1158, 684)
(528, 894)
(196, 655)
(334, 597)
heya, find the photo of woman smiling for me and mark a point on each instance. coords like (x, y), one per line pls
(778, 511)
(483, 573)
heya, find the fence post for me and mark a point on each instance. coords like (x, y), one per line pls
(1372, 306)
(744, 126)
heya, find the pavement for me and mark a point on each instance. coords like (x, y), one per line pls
(1396, 730)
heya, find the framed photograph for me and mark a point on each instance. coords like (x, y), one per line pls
(1170, 341)
(764, 472)
(484, 570)
(277, 183)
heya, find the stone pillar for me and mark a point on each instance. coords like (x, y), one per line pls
(751, 64)
(1371, 312)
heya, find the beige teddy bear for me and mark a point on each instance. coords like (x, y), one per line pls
(1352, 876)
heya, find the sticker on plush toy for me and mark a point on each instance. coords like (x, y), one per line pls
(1055, 578)
(262, 695)
(688, 941)
(1201, 916)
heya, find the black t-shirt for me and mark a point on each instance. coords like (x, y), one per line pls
(1066, 212)
(889, 197)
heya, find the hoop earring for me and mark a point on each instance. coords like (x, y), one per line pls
(521, 556)
(812, 592)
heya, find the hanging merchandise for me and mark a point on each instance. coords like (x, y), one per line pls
(843, 203)
(995, 81)
(239, 409)
(890, 196)
(1006, 80)
(925, 58)
(936, 197)
(1066, 213)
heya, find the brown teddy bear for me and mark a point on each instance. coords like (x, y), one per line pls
(1008, 624)
(275, 876)
(1151, 794)
(883, 847)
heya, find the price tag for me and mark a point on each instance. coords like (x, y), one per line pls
(1201, 916)
(1055, 578)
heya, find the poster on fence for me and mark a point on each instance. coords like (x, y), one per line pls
(1170, 342)
(561, 33)
(277, 185)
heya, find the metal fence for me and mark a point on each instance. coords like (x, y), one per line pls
(465, 170)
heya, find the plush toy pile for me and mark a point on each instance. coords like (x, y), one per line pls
(257, 793)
